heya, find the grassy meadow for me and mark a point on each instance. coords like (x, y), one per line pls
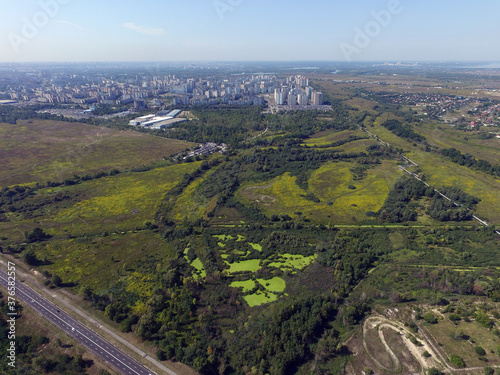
(99, 232)
(331, 135)
(114, 204)
(445, 332)
(99, 261)
(330, 183)
(444, 136)
(439, 171)
(37, 151)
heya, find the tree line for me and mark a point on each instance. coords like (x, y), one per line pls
(470, 161)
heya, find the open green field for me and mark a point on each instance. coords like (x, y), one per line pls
(439, 172)
(200, 269)
(396, 84)
(125, 200)
(272, 286)
(245, 285)
(444, 136)
(279, 195)
(256, 246)
(251, 265)
(98, 261)
(276, 284)
(330, 183)
(292, 262)
(37, 151)
(191, 204)
(331, 135)
(362, 104)
(259, 298)
(114, 204)
(445, 331)
(95, 235)
(355, 147)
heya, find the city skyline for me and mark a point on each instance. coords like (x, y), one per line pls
(240, 30)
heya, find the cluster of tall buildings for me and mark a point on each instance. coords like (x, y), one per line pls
(297, 92)
(142, 91)
(80, 89)
(233, 90)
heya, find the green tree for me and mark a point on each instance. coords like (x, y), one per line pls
(484, 320)
(457, 361)
(29, 257)
(56, 280)
(161, 355)
(36, 235)
(479, 350)
(430, 318)
(86, 292)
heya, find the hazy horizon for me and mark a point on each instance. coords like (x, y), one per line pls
(243, 31)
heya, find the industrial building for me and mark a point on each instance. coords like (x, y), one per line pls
(154, 121)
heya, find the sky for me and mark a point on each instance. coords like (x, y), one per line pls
(249, 30)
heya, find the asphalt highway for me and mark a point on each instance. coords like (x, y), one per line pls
(88, 338)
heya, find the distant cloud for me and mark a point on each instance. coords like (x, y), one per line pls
(143, 29)
(69, 23)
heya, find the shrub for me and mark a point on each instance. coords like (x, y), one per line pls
(454, 317)
(479, 350)
(29, 257)
(36, 235)
(457, 361)
(430, 318)
(426, 354)
(434, 371)
(488, 371)
(484, 320)
(414, 341)
(161, 355)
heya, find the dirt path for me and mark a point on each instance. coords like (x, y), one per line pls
(437, 358)
(378, 323)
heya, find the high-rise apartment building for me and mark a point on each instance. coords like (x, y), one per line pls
(317, 98)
